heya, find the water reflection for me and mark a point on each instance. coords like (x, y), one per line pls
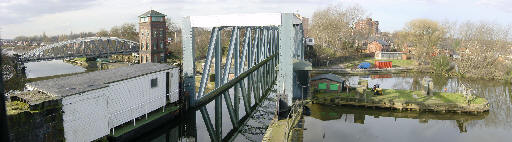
(191, 127)
(360, 124)
(49, 68)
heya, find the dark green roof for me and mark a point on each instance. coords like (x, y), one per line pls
(151, 13)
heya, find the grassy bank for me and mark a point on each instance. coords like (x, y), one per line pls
(15, 107)
(406, 99)
(396, 63)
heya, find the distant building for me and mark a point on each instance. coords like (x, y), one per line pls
(305, 26)
(327, 83)
(377, 46)
(152, 37)
(368, 24)
(390, 56)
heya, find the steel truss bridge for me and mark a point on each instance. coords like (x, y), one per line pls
(260, 59)
(82, 47)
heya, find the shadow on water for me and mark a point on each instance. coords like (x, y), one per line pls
(191, 127)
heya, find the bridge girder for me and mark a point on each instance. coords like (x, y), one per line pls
(82, 47)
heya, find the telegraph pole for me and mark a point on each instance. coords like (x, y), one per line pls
(4, 132)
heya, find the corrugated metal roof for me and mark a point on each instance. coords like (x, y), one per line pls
(80, 83)
(329, 76)
(151, 13)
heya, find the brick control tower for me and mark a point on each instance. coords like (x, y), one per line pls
(152, 38)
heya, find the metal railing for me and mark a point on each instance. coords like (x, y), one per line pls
(256, 54)
(259, 53)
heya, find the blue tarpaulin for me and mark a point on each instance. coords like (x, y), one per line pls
(364, 65)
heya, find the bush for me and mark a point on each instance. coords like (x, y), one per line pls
(441, 64)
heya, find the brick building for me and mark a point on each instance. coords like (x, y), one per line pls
(368, 24)
(305, 26)
(377, 46)
(152, 37)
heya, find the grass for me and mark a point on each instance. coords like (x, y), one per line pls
(83, 59)
(408, 96)
(209, 85)
(15, 107)
(396, 63)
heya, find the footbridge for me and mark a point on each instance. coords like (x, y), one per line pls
(262, 60)
(82, 47)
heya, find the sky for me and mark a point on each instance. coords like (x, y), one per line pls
(53, 17)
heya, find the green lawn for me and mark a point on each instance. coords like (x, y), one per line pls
(396, 63)
(408, 96)
(15, 107)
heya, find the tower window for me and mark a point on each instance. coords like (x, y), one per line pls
(157, 19)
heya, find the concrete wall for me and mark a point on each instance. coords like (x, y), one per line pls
(92, 114)
(389, 55)
(174, 87)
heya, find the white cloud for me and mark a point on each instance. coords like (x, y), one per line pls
(33, 17)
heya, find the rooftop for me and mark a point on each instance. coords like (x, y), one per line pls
(329, 76)
(151, 13)
(65, 86)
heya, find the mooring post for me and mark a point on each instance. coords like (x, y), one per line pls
(188, 62)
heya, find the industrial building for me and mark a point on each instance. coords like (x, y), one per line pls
(101, 100)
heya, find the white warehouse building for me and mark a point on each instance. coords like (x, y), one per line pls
(95, 102)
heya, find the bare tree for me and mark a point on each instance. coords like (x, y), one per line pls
(484, 50)
(423, 36)
(333, 31)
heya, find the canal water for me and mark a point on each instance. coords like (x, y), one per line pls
(50, 68)
(191, 127)
(328, 123)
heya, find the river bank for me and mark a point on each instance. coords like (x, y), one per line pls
(406, 100)
(349, 67)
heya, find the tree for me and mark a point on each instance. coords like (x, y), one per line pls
(424, 36)
(102, 33)
(174, 46)
(129, 32)
(115, 32)
(333, 31)
(483, 50)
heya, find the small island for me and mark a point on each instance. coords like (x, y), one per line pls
(406, 100)
(338, 93)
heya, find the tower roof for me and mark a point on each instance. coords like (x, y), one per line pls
(151, 13)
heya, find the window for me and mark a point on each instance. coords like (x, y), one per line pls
(143, 19)
(333, 87)
(154, 82)
(322, 86)
(162, 45)
(157, 18)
